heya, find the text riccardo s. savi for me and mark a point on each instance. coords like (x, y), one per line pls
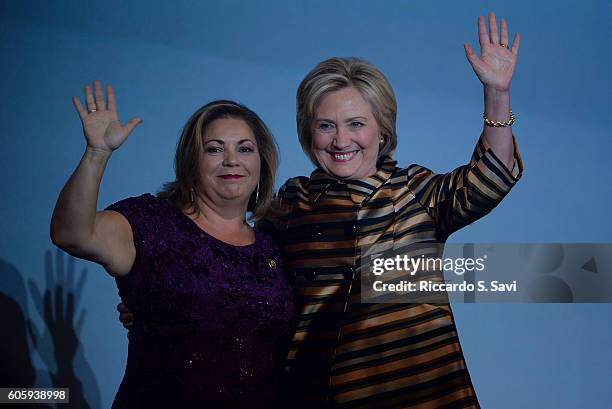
(402, 265)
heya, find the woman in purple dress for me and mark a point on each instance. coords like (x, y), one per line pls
(215, 312)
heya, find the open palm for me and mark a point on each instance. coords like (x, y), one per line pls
(495, 65)
(101, 124)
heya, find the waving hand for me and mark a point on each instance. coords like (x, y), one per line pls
(495, 65)
(101, 124)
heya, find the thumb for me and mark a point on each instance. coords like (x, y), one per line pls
(469, 52)
(131, 124)
(471, 56)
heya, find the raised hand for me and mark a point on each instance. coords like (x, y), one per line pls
(101, 125)
(495, 65)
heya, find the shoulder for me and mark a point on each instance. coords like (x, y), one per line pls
(416, 171)
(400, 178)
(145, 201)
(144, 205)
(294, 185)
(411, 176)
(291, 191)
(146, 214)
(416, 179)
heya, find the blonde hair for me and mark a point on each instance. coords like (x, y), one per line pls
(180, 192)
(334, 74)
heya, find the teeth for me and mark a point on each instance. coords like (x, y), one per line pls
(343, 156)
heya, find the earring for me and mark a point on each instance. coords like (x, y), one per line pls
(257, 194)
(382, 140)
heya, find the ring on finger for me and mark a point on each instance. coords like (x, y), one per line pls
(92, 110)
(505, 45)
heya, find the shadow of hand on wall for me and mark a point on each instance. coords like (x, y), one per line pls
(58, 343)
(16, 367)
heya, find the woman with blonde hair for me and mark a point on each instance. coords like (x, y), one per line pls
(350, 354)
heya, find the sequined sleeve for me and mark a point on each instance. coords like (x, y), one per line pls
(143, 217)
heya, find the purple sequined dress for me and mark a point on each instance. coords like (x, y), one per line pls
(212, 321)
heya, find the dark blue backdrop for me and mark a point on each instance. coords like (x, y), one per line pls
(166, 60)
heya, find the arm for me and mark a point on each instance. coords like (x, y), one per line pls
(460, 197)
(76, 227)
(494, 69)
(464, 195)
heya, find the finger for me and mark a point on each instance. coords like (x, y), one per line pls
(91, 105)
(468, 51)
(516, 43)
(471, 55)
(131, 124)
(81, 111)
(122, 307)
(110, 93)
(504, 32)
(493, 28)
(126, 317)
(483, 37)
(100, 103)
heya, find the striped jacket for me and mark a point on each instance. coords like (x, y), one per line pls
(349, 354)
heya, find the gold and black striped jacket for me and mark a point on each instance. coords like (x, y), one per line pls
(349, 354)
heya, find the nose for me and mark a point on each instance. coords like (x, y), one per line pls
(230, 158)
(342, 139)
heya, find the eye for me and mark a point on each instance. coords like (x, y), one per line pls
(357, 124)
(246, 149)
(325, 126)
(214, 149)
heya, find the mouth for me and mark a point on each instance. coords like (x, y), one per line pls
(231, 177)
(342, 156)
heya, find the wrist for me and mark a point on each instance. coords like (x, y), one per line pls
(499, 124)
(496, 103)
(498, 95)
(98, 153)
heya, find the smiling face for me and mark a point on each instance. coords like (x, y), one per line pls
(345, 135)
(229, 165)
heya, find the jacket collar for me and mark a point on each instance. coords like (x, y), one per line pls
(359, 189)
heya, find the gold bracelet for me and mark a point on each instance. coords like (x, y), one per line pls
(497, 123)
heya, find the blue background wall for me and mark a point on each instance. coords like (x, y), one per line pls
(166, 60)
